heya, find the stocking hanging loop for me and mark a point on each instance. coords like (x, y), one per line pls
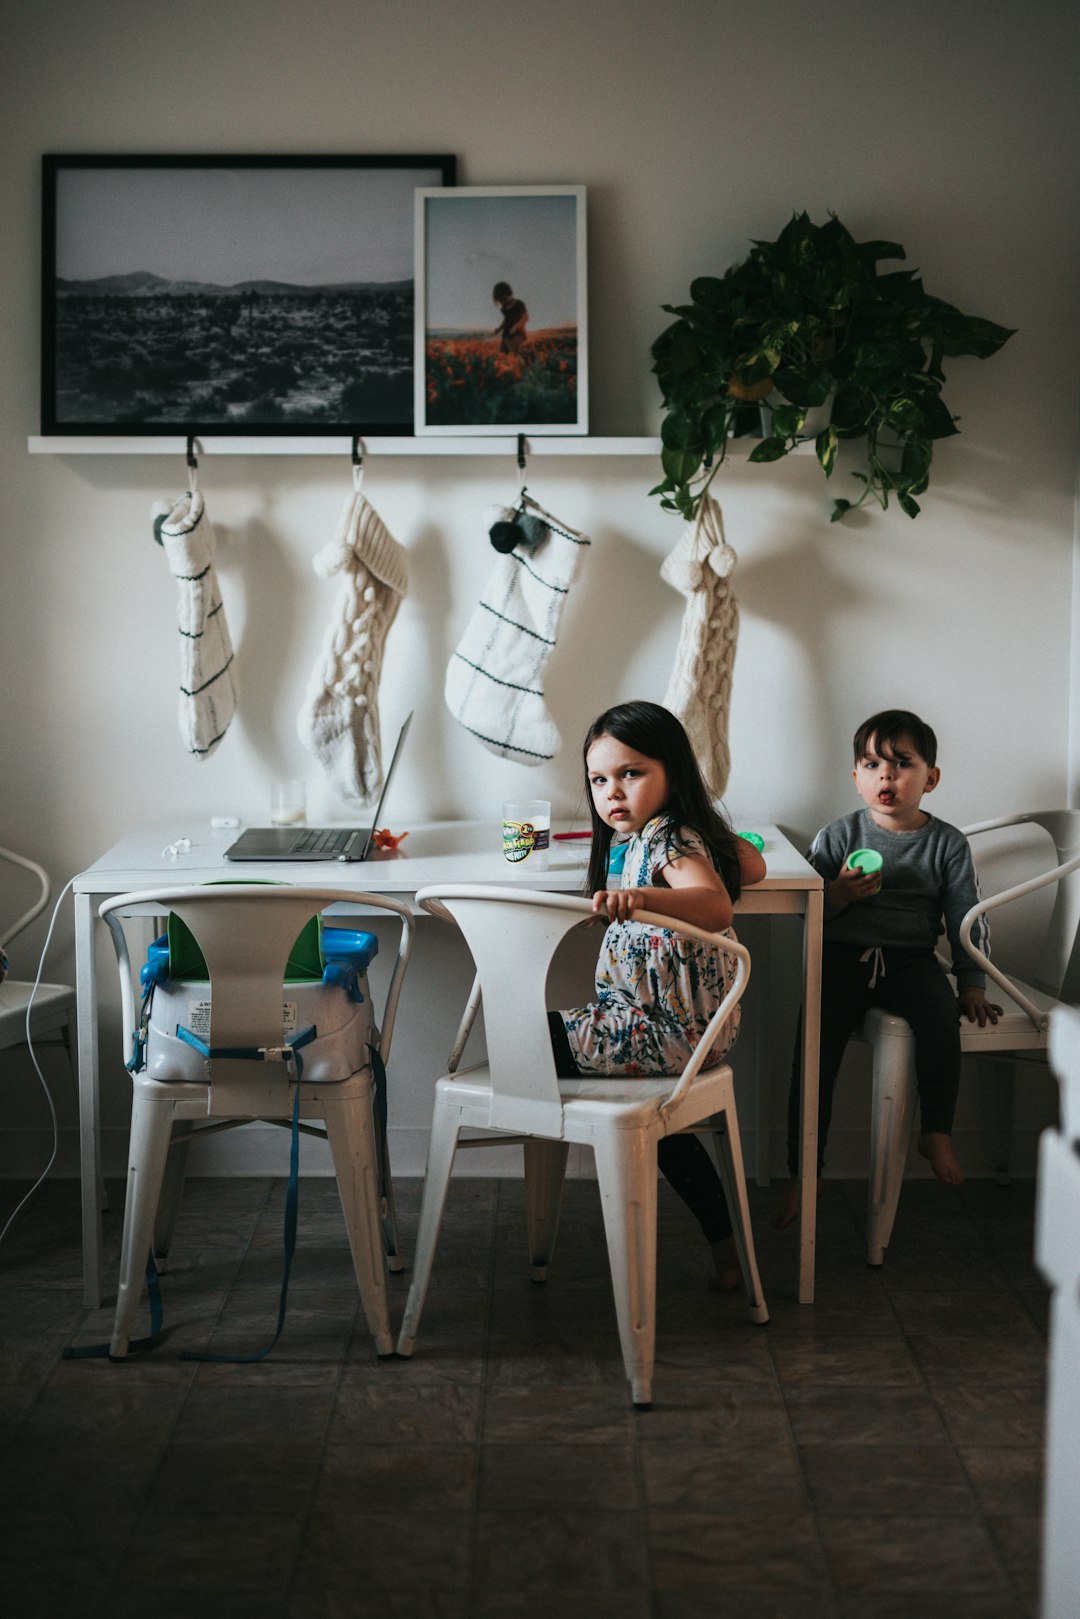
(357, 461)
(193, 464)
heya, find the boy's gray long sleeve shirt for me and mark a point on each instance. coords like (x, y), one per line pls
(928, 886)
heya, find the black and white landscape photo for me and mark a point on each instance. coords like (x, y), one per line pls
(230, 296)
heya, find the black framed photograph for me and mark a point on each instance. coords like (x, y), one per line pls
(243, 295)
(501, 310)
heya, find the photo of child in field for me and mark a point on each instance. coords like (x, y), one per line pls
(527, 371)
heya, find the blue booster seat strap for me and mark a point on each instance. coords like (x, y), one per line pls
(292, 1200)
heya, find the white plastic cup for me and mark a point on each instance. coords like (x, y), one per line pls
(526, 831)
(288, 803)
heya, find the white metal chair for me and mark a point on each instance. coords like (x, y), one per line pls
(1023, 1028)
(52, 1013)
(1057, 1253)
(513, 935)
(249, 1070)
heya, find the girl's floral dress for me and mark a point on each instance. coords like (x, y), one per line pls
(655, 990)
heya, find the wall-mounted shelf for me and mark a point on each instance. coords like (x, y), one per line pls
(436, 445)
(738, 449)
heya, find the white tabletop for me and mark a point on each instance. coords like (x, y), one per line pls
(460, 851)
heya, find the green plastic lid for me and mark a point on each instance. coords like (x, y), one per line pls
(755, 838)
(865, 860)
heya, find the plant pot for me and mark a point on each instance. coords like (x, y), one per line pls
(817, 420)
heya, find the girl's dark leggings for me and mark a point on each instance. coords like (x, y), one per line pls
(912, 985)
(684, 1162)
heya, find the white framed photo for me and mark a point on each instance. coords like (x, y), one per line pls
(501, 310)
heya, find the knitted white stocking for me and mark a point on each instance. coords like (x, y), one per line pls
(339, 721)
(207, 679)
(699, 691)
(494, 681)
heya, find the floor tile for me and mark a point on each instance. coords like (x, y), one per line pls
(517, 1477)
(713, 1552)
(917, 1555)
(862, 1415)
(914, 1481)
(553, 1550)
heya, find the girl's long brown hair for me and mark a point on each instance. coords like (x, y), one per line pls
(654, 731)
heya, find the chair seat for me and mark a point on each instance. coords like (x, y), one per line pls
(1013, 1031)
(626, 1101)
(53, 1008)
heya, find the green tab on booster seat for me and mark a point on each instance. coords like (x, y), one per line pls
(187, 964)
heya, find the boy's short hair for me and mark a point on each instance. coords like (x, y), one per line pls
(894, 725)
(502, 289)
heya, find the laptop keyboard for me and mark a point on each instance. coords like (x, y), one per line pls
(329, 841)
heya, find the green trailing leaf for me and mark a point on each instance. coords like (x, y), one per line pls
(770, 449)
(839, 508)
(826, 445)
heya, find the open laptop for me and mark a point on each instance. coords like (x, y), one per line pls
(311, 843)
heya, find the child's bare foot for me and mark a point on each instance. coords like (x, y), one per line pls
(729, 1274)
(788, 1211)
(938, 1148)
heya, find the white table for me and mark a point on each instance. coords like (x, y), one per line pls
(448, 851)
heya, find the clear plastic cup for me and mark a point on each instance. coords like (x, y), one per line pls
(288, 803)
(526, 832)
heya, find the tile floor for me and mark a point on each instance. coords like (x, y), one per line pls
(874, 1456)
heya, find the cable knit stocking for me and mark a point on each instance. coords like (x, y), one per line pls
(207, 680)
(494, 681)
(699, 691)
(339, 721)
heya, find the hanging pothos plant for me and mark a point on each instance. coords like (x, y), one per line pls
(802, 320)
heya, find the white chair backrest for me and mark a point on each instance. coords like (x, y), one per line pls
(513, 935)
(1065, 1061)
(9, 933)
(1058, 969)
(245, 932)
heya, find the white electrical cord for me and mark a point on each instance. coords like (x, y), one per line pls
(41, 1077)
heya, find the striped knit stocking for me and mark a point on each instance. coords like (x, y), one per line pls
(339, 721)
(699, 691)
(207, 678)
(494, 681)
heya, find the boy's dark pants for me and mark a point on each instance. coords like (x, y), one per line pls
(684, 1162)
(912, 985)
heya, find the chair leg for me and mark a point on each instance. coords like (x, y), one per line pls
(442, 1147)
(545, 1173)
(733, 1176)
(350, 1132)
(891, 1109)
(626, 1172)
(151, 1132)
(172, 1190)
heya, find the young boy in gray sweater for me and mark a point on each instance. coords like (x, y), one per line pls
(881, 929)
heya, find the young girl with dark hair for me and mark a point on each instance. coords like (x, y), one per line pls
(658, 844)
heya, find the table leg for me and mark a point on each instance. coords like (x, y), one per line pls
(762, 1064)
(89, 1107)
(808, 1128)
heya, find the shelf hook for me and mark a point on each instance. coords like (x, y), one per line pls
(357, 461)
(521, 459)
(193, 464)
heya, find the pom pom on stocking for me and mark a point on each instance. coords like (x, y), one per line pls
(339, 721)
(207, 679)
(494, 681)
(699, 691)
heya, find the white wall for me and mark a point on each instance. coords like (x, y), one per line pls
(695, 126)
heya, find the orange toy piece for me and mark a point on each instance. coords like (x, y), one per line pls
(388, 841)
